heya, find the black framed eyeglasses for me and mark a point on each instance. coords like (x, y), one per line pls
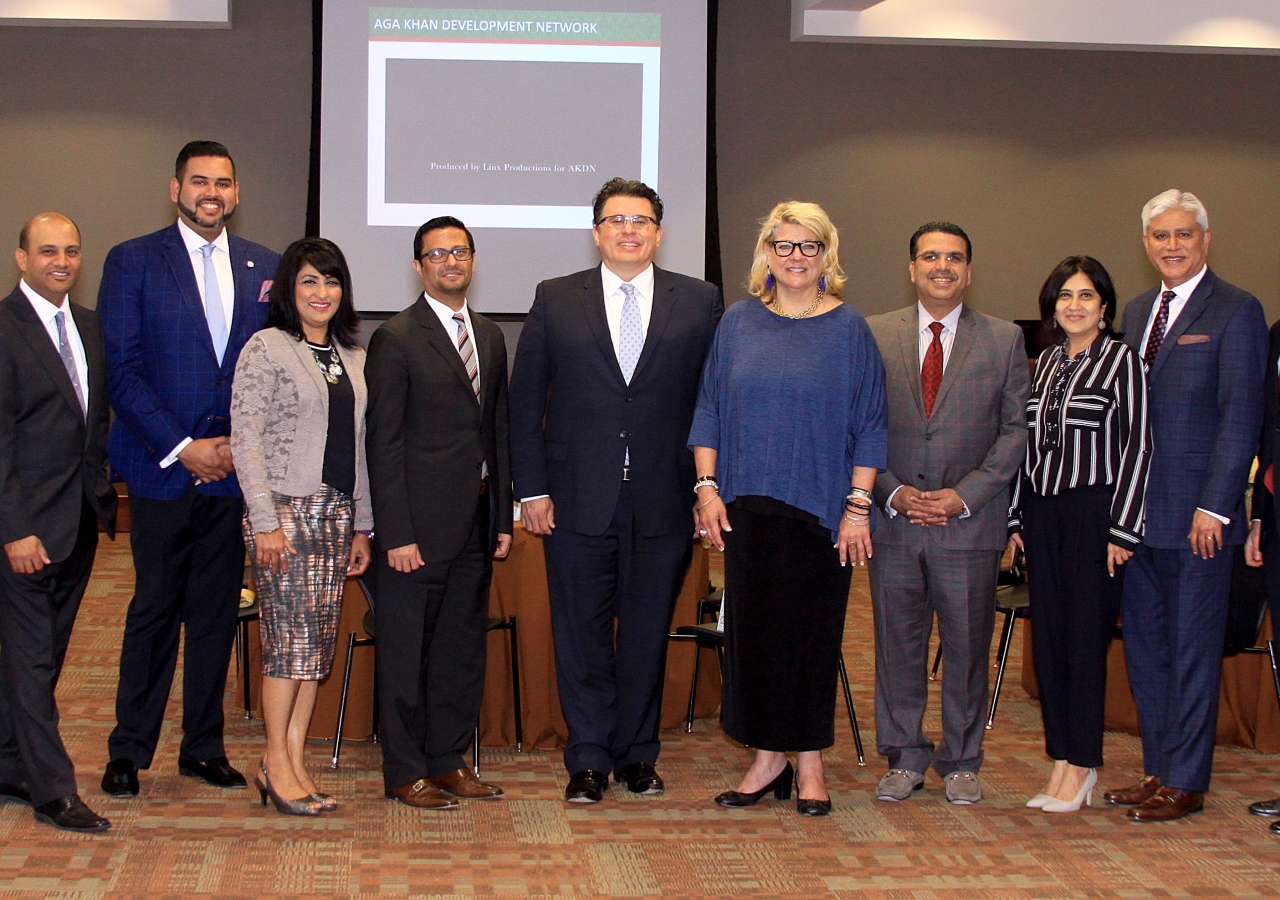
(785, 248)
(438, 254)
(639, 223)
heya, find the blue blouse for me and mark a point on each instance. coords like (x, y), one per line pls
(791, 406)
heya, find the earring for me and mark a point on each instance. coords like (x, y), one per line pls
(768, 282)
(822, 285)
(1102, 324)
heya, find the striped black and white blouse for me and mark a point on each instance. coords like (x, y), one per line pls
(1087, 423)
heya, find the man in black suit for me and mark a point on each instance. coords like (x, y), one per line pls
(54, 415)
(603, 391)
(440, 478)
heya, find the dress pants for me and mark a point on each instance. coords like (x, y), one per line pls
(1174, 614)
(610, 679)
(910, 584)
(431, 657)
(1074, 607)
(37, 613)
(1271, 568)
(188, 559)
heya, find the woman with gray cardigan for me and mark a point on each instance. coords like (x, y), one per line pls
(297, 437)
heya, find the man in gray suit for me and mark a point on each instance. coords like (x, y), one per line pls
(957, 382)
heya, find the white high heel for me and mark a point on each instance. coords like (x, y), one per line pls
(1084, 798)
(1039, 800)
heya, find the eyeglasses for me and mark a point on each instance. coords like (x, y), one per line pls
(931, 256)
(438, 254)
(785, 248)
(639, 223)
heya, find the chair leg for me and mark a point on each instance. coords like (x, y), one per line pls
(937, 663)
(1006, 638)
(515, 686)
(693, 687)
(342, 702)
(1272, 651)
(853, 717)
(242, 647)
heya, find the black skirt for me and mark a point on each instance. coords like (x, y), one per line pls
(785, 600)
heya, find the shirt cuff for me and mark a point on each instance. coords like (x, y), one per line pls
(173, 454)
(1223, 519)
(538, 497)
(888, 504)
(966, 514)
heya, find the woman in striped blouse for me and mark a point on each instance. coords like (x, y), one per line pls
(1078, 505)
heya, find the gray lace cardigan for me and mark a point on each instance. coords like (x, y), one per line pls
(280, 422)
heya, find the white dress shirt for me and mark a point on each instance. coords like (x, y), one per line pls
(226, 289)
(47, 313)
(445, 314)
(614, 298)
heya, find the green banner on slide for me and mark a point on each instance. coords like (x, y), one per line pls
(489, 25)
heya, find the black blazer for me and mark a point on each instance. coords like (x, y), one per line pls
(573, 416)
(50, 456)
(427, 436)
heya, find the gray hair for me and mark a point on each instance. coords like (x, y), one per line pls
(1173, 199)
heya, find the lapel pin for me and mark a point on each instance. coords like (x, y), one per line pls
(249, 263)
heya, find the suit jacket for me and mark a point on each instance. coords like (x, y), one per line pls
(573, 417)
(52, 456)
(166, 384)
(1206, 403)
(977, 436)
(428, 436)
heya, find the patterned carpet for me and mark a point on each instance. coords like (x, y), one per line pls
(182, 839)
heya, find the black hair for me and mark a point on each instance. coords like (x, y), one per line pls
(327, 259)
(943, 228)
(436, 224)
(1061, 274)
(621, 187)
(201, 148)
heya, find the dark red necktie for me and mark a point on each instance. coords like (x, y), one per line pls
(931, 369)
(1156, 338)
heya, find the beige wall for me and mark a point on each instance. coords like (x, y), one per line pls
(92, 118)
(1036, 153)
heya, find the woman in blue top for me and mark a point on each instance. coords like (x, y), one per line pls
(789, 432)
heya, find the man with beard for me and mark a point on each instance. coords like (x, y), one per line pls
(176, 308)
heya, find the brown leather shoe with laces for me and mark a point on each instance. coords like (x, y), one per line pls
(464, 783)
(1168, 804)
(1139, 792)
(421, 795)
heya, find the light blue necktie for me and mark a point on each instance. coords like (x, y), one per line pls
(630, 332)
(64, 350)
(213, 310)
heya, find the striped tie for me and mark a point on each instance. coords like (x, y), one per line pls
(468, 353)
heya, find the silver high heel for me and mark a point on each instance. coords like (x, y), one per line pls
(303, 806)
(1039, 800)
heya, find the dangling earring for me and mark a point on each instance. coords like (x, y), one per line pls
(1102, 324)
(768, 282)
(822, 285)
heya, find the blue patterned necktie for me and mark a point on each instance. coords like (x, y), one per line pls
(630, 332)
(213, 310)
(64, 350)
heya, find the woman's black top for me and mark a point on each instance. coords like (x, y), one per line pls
(340, 444)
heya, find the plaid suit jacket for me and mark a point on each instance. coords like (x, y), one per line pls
(166, 384)
(977, 436)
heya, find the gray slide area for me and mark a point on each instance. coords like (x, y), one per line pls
(546, 139)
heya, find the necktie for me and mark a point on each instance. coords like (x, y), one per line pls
(630, 333)
(931, 369)
(1156, 338)
(213, 311)
(64, 350)
(468, 353)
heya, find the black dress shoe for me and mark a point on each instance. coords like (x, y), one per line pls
(14, 793)
(70, 814)
(1269, 808)
(812, 808)
(217, 772)
(1275, 827)
(121, 778)
(587, 786)
(781, 787)
(640, 778)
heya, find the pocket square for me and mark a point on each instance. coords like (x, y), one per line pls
(1193, 339)
(266, 289)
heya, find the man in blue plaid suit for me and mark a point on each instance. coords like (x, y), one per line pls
(176, 308)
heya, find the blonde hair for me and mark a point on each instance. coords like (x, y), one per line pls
(806, 215)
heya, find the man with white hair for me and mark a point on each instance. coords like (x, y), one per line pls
(1204, 345)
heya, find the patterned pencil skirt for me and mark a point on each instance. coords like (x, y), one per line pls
(299, 610)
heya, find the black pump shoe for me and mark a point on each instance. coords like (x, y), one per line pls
(781, 787)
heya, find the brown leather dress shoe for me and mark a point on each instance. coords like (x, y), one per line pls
(464, 783)
(1139, 792)
(1168, 804)
(421, 794)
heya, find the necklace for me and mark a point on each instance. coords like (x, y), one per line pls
(777, 308)
(332, 370)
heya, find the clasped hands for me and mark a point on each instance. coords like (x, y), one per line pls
(208, 459)
(927, 507)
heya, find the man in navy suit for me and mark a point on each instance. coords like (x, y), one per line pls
(602, 397)
(1204, 345)
(176, 308)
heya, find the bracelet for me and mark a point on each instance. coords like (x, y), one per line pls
(856, 520)
(708, 481)
(859, 493)
(708, 503)
(864, 508)
(366, 532)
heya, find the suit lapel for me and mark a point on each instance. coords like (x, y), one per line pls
(241, 273)
(1195, 305)
(664, 301)
(34, 333)
(180, 265)
(593, 311)
(1142, 311)
(484, 353)
(443, 343)
(95, 361)
(308, 361)
(909, 340)
(959, 350)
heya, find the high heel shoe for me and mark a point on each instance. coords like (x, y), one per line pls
(326, 801)
(300, 807)
(1039, 800)
(781, 787)
(810, 808)
(1083, 798)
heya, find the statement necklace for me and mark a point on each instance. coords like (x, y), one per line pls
(332, 371)
(777, 308)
